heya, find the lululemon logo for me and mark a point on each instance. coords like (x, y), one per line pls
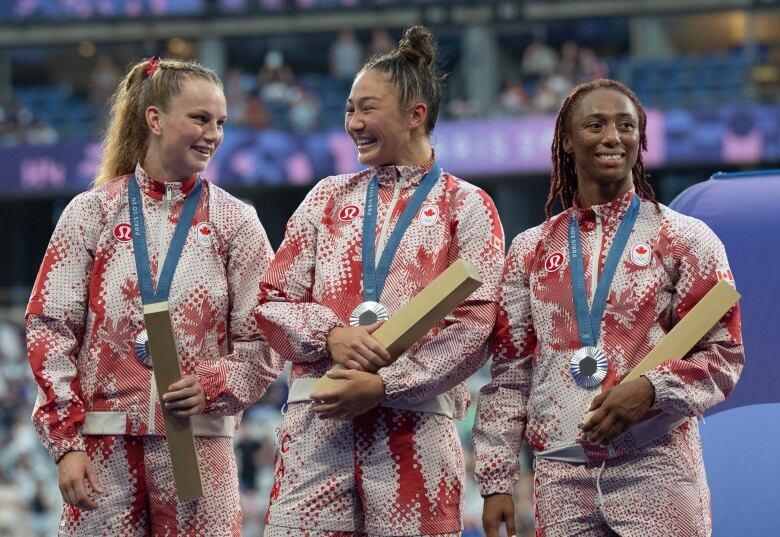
(123, 233)
(554, 262)
(350, 212)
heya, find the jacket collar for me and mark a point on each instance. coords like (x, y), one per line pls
(155, 189)
(406, 175)
(609, 212)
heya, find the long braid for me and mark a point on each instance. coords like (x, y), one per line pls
(563, 183)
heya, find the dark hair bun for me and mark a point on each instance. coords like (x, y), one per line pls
(418, 46)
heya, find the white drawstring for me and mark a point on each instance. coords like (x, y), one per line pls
(598, 483)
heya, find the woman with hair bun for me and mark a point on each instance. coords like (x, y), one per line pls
(117, 247)
(380, 454)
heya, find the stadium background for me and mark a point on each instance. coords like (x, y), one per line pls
(708, 71)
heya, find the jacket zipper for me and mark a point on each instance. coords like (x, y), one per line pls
(386, 223)
(594, 261)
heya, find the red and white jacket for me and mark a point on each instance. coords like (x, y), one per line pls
(85, 313)
(669, 263)
(315, 281)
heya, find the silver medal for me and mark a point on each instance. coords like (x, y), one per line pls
(588, 367)
(368, 312)
(142, 348)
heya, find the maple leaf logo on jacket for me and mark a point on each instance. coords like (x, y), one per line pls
(204, 235)
(641, 254)
(429, 215)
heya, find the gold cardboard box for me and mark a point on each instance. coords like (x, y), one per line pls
(427, 308)
(178, 431)
(689, 331)
(686, 333)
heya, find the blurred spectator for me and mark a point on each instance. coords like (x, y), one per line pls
(28, 490)
(256, 114)
(103, 80)
(303, 112)
(46, 114)
(236, 95)
(590, 66)
(546, 99)
(570, 60)
(41, 133)
(539, 60)
(18, 125)
(381, 42)
(513, 99)
(247, 458)
(462, 108)
(560, 85)
(346, 55)
(275, 78)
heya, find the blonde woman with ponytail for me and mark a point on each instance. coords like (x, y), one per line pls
(115, 248)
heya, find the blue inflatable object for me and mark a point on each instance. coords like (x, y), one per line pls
(741, 436)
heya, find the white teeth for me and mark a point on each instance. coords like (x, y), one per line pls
(365, 141)
(610, 157)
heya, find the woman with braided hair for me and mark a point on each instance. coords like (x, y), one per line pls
(379, 455)
(117, 247)
(584, 297)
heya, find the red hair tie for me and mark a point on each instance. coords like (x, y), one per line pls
(152, 65)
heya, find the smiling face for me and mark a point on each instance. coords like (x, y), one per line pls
(185, 136)
(383, 132)
(603, 137)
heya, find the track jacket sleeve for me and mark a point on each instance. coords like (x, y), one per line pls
(55, 323)
(459, 348)
(708, 374)
(501, 408)
(236, 381)
(295, 326)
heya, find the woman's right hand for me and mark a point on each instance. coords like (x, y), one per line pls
(498, 508)
(354, 348)
(73, 470)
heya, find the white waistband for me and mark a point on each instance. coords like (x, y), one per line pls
(643, 432)
(115, 423)
(443, 403)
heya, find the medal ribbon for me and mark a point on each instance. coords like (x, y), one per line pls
(148, 294)
(589, 320)
(374, 275)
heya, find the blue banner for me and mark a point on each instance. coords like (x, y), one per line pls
(87, 9)
(503, 146)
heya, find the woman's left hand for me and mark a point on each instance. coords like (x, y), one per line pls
(617, 409)
(185, 397)
(358, 393)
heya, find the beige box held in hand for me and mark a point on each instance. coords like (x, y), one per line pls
(427, 308)
(689, 331)
(178, 431)
(676, 344)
